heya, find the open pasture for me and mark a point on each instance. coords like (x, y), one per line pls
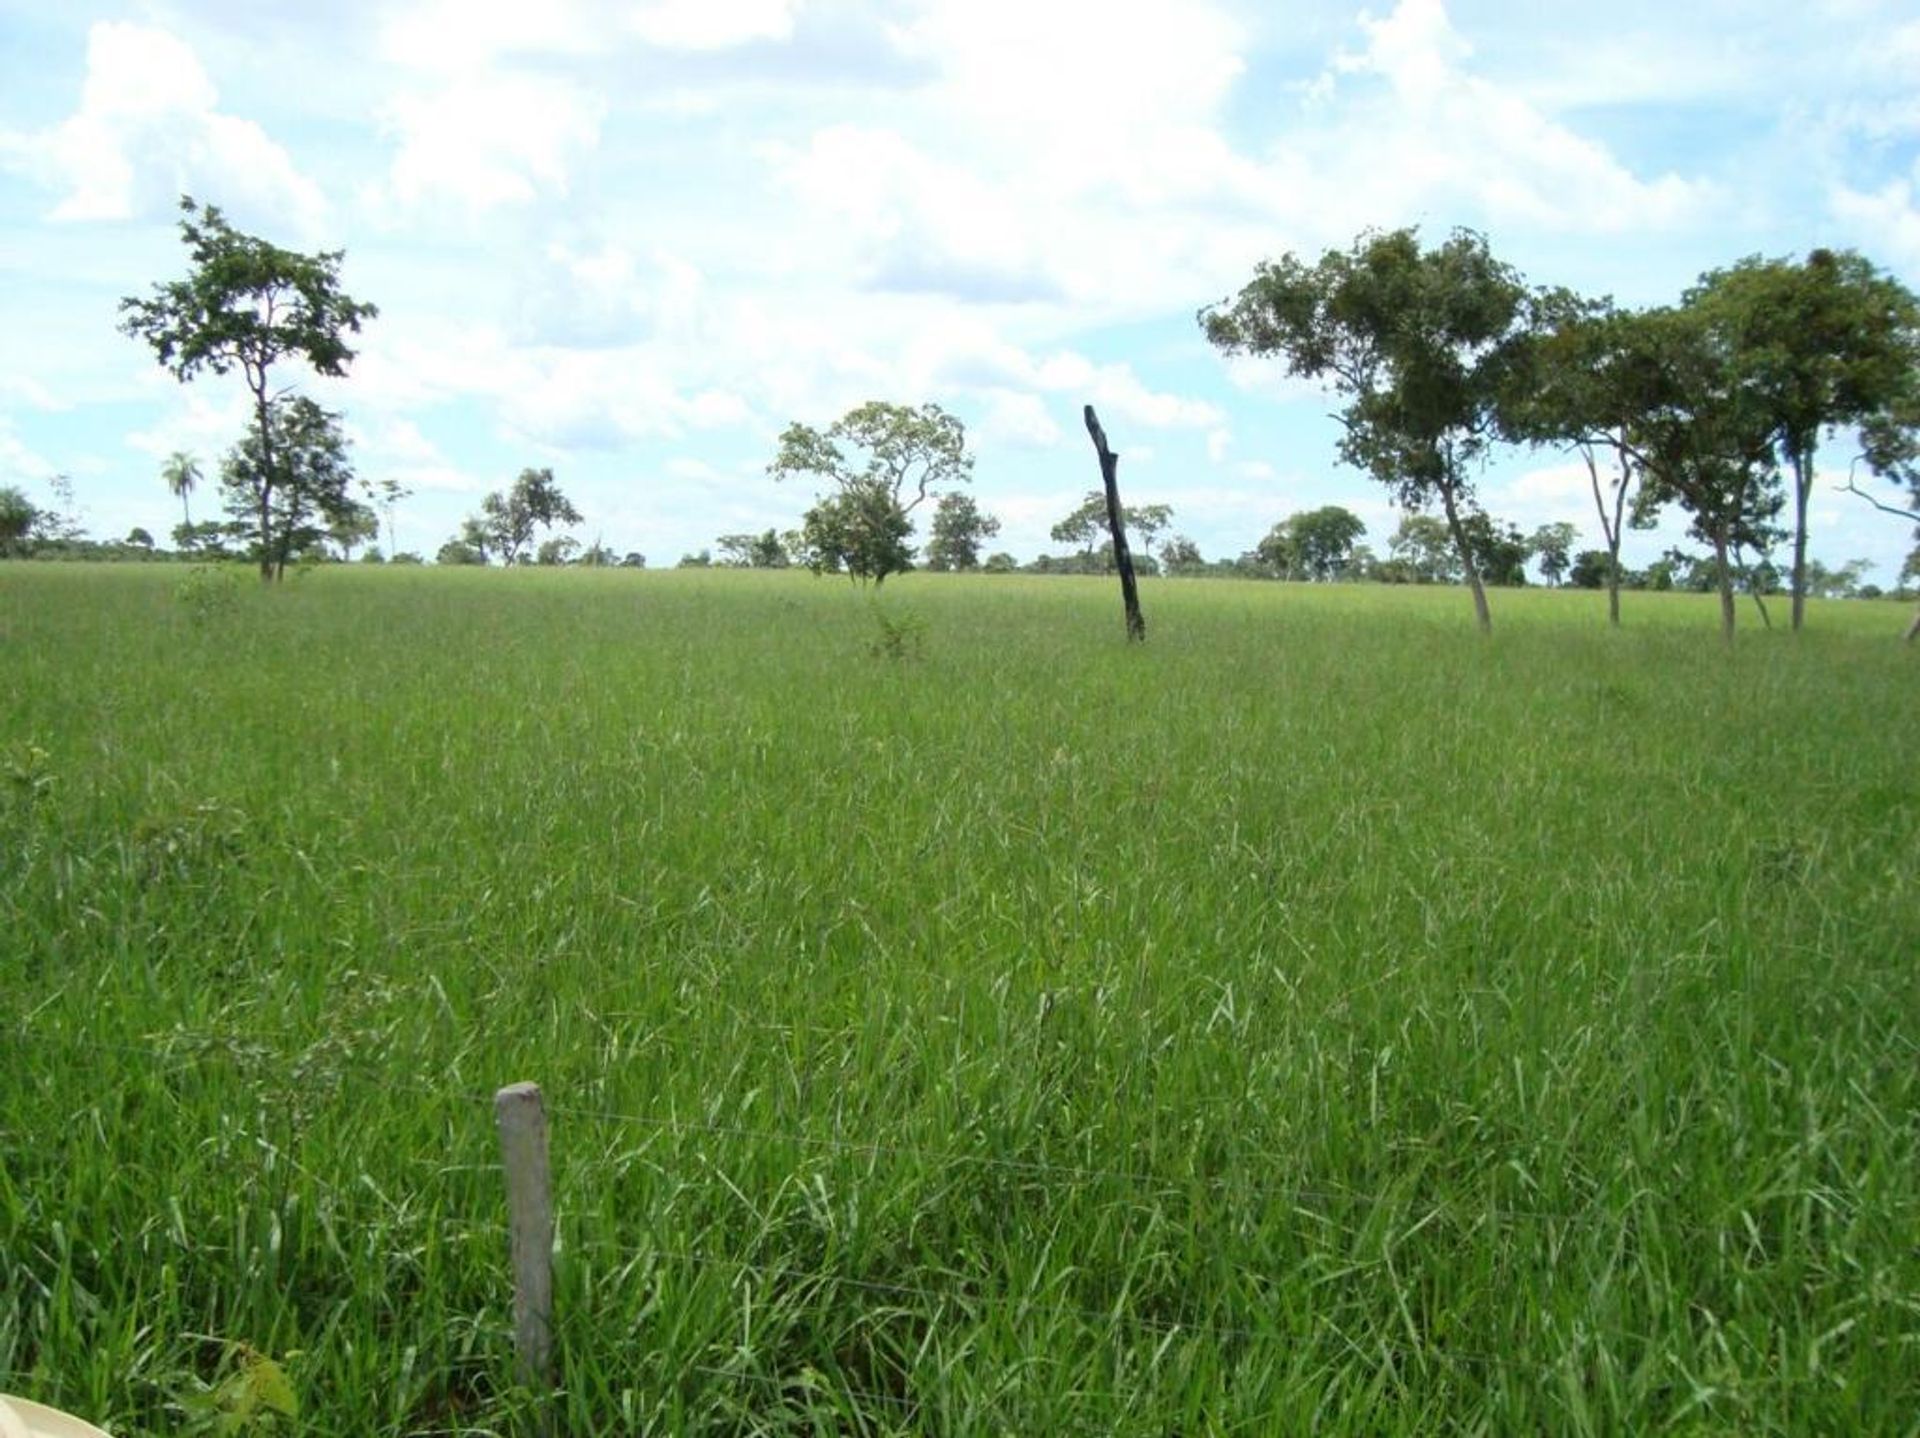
(1318, 1018)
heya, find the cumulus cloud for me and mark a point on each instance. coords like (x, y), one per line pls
(148, 128)
(488, 140)
(1887, 218)
(712, 24)
(1417, 127)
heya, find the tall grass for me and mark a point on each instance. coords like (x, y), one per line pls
(1317, 1017)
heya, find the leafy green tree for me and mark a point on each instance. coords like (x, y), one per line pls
(1500, 551)
(1552, 547)
(351, 528)
(386, 494)
(1575, 380)
(1315, 545)
(556, 551)
(138, 538)
(1829, 342)
(702, 560)
(1181, 556)
(182, 475)
(1704, 438)
(1086, 528)
(1422, 544)
(1591, 569)
(1000, 562)
(508, 521)
(876, 457)
(288, 485)
(765, 550)
(1417, 341)
(250, 304)
(18, 519)
(960, 528)
(456, 552)
(862, 530)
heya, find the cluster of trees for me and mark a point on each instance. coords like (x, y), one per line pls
(247, 304)
(1716, 404)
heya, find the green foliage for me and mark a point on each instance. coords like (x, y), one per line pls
(960, 527)
(1089, 529)
(882, 461)
(1590, 569)
(1422, 544)
(880, 447)
(458, 552)
(754, 551)
(247, 303)
(289, 486)
(254, 1397)
(1315, 545)
(1319, 1022)
(207, 592)
(1552, 548)
(1832, 341)
(508, 521)
(1499, 551)
(182, 475)
(903, 634)
(1419, 343)
(556, 551)
(18, 519)
(26, 771)
(861, 531)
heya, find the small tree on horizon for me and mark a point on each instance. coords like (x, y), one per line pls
(1417, 342)
(251, 304)
(883, 461)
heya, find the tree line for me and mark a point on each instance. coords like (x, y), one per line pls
(1716, 405)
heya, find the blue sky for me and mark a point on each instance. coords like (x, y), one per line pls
(632, 241)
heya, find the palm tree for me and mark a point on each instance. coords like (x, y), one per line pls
(182, 473)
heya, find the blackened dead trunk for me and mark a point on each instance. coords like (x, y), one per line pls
(1116, 522)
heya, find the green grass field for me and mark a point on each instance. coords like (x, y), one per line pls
(1319, 1018)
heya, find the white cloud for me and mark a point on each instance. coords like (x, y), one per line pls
(1019, 419)
(1412, 127)
(147, 130)
(1888, 219)
(712, 24)
(460, 36)
(488, 140)
(18, 463)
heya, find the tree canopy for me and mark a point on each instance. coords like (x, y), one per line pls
(248, 303)
(882, 461)
(289, 486)
(1416, 340)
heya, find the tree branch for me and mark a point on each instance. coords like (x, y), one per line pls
(1851, 488)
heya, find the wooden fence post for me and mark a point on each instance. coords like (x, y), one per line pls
(523, 1148)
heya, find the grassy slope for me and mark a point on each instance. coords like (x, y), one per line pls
(1318, 1016)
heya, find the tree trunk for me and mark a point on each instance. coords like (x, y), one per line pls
(1610, 530)
(1122, 556)
(261, 414)
(1802, 483)
(1481, 613)
(1726, 585)
(1913, 629)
